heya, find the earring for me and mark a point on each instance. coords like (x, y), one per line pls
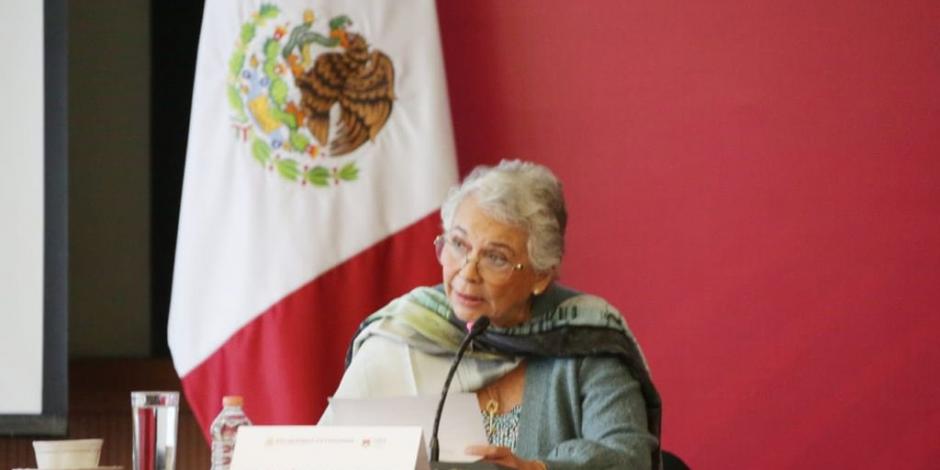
(536, 292)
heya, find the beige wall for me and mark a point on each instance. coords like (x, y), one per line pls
(109, 182)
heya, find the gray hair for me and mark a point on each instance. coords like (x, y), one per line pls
(523, 194)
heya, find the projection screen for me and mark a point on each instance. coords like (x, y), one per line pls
(33, 217)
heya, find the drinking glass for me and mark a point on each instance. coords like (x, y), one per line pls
(155, 423)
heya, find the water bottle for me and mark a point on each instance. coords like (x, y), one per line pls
(223, 431)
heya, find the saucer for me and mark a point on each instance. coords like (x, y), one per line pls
(107, 467)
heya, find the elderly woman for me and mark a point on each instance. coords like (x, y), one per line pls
(559, 378)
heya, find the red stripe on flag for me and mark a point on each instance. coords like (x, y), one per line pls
(288, 360)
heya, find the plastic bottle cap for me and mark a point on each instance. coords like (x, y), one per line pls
(232, 400)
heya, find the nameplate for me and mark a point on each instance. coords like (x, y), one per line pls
(333, 447)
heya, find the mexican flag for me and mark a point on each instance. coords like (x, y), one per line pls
(320, 149)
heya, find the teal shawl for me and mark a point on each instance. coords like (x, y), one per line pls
(564, 324)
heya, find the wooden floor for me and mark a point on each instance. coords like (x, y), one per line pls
(99, 406)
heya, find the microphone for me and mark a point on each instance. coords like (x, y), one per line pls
(478, 327)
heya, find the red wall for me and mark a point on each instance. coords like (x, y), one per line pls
(756, 185)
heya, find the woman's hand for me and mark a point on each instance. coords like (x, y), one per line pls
(504, 456)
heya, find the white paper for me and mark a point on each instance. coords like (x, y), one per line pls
(461, 424)
(332, 447)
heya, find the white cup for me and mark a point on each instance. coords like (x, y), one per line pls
(72, 453)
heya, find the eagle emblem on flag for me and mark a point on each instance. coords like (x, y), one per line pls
(299, 95)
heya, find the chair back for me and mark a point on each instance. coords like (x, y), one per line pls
(673, 462)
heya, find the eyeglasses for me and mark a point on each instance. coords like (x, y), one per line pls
(493, 266)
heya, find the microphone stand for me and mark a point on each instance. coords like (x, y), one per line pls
(478, 328)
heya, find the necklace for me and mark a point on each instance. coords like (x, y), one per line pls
(491, 408)
(492, 403)
(501, 429)
(507, 383)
